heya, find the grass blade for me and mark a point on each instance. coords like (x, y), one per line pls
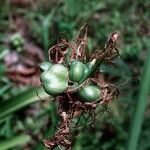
(15, 141)
(45, 31)
(17, 102)
(141, 105)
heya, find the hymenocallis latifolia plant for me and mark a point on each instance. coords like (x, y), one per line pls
(72, 78)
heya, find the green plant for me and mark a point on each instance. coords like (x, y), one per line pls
(21, 100)
(77, 88)
(141, 105)
(45, 20)
(15, 141)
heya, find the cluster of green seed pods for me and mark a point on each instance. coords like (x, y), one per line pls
(55, 79)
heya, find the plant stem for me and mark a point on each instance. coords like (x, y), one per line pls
(14, 141)
(17, 102)
(141, 105)
(95, 67)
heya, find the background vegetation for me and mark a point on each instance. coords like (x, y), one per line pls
(25, 120)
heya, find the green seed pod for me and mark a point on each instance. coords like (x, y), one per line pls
(60, 71)
(45, 66)
(76, 71)
(55, 79)
(88, 70)
(89, 93)
(55, 86)
(86, 73)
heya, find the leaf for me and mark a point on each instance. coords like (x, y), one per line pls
(45, 31)
(141, 105)
(14, 141)
(19, 101)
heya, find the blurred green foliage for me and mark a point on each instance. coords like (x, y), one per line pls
(46, 19)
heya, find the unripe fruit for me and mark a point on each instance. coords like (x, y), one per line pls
(55, 79)
(86, 73)
(45, 66)
(89, 93)
(60, 71)
(76, 71)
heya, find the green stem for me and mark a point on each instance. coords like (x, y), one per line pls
(14, 141)
(17, 102)
(141, 105)
(95, 67)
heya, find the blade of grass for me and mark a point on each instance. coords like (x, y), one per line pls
(4, 89)
(15, 141)
(141, 105)
(17, 102)
(45, 31)
(3, 53)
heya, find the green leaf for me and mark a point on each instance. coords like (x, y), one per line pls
(45, 31)
(4, 89)
(14, 141)
(17, 102)
(141, 105)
